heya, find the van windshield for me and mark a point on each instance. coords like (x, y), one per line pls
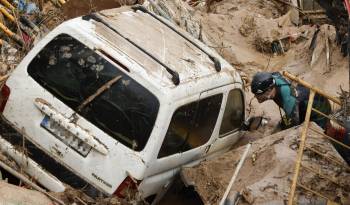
(78, 76)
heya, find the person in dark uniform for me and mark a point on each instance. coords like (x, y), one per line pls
(292, 100)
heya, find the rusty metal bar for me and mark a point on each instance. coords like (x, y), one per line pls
(318, 172)
(324, 115)
(301, 148)
(328, 158)
(311, 87)
(312, 191)
(330, 138)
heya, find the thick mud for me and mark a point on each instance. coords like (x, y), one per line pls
(76, 8)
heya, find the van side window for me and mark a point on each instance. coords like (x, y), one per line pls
(191, 125)
(234, 113)
(73, 73)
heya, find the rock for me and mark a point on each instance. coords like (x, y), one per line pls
(248, 196)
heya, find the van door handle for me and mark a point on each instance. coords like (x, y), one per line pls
(71, 127)
(207, 148)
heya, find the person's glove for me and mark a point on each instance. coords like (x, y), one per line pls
(253, 123)
(286, 122)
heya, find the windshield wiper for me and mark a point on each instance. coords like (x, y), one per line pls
(99, 91)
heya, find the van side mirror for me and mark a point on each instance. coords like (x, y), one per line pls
(254, 123)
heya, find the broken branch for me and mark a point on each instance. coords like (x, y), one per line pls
(99, 92)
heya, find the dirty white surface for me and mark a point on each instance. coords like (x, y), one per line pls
(161, 42)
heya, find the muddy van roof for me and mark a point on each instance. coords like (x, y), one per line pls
(161, 51)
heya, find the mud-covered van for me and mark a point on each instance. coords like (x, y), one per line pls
(119, 100)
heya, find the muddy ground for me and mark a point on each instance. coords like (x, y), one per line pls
(243, 31)
(266, 175)
(79, 8)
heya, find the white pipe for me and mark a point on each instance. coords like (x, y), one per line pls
(239, 166)
(28, 182)
(31, 167)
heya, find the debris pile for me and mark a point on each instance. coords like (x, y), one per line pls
(263, 36)
(74, 8)
(23, 23)
(266, 175)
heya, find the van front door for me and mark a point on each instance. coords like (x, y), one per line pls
(188, 135)
(190, 130)
(231, 121)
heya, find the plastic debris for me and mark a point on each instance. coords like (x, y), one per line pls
(26, 6)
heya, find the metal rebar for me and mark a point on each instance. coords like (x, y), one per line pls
(301, 148)
(330, 138)
(311, 87)
(328, 158)
(326, 116)
(312, 191)
(318, 172)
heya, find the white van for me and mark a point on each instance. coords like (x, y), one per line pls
(119, 100)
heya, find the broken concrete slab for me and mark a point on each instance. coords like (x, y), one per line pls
(14, 195)
(267, 172)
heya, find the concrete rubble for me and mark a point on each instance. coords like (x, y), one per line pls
(266, 175)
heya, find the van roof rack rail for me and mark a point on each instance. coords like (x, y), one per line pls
(175, 75)
(215, 60)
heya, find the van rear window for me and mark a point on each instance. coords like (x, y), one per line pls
(76, 75)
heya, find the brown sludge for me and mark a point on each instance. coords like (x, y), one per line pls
(266, 175)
